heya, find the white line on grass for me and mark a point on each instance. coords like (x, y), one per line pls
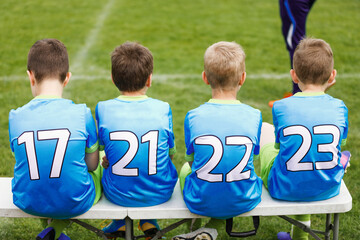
(81, 55)
(166, 77)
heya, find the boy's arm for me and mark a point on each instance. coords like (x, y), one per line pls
(257, 146)
(171, 141)
(344, 138)
(92, 160)
(189, 155)
(276, 125)
(92, 145)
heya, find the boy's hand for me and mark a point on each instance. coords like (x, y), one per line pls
(105, 162)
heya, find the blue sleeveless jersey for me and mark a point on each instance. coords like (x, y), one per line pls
(49, 138)
(309, 130)
(222, 138)
(137, 136)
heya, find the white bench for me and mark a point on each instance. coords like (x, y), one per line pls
(175, 208)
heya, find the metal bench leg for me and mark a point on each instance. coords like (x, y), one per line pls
(328, 226)
(129, 230)
(97, 231)
(336, 226)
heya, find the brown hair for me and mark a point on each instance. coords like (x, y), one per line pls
(48, 58)
(131, 65)
(224, 62)
(313, 61)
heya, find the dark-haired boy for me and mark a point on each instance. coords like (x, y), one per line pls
(136, 133)
(55, 145)
(310, 128)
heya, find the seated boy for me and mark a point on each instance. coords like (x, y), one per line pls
(221, 138)
(55, 145)
(310, 128)
(136, 133)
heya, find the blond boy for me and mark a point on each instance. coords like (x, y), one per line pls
(221, 137)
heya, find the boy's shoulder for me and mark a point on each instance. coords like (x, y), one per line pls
(215, 107)
(130, 100)
(309, 100)
(41, 103)
(129, 105)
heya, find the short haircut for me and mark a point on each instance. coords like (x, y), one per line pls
(48, 58)
(131, 66)
(224, 63)
(313, 61)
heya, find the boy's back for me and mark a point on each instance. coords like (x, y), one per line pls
(310, 129)
(222, 136)
(49, 137)
(137, 134)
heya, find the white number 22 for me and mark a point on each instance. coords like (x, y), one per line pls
(236, 174)
(61, 135)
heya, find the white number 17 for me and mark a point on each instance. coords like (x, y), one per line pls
(27, 138)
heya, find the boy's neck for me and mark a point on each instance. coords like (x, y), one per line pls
(48, 87)
(312, 88)
(140, 92)
(222, 94)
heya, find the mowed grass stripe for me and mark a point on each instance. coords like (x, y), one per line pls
(166, 77)
(81, 55)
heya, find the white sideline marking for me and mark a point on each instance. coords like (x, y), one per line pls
(91, 38)
(166, 77)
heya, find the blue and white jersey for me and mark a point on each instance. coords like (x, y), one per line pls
(309, 129)
(221, 138)
(49, 137)
(137, 136)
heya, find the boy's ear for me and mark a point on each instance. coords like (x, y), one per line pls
(67, 79)
(242, 79)
(294, 76)
(331, 81)
(31, 77)
(204, 78)
(149, 81)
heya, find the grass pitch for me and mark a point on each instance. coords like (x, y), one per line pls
(177, 33)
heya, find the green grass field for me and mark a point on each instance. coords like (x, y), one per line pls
(177, 33)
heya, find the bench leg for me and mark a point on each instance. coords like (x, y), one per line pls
(129, 230)
(336, 226)
(97, 231)
(328, 226)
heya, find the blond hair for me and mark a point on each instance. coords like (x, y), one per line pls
(313, 61)
(224, 63)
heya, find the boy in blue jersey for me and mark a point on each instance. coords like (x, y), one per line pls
(310, 128)
(221, 137)
(136, 133)
(55, 145)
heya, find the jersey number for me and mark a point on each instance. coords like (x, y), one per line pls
(294, 164)
(236, 174)
(61, 135)
(119, 168)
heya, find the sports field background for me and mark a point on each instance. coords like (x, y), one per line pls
(177, 33)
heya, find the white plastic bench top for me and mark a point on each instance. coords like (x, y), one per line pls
(104, 209)
(176, 208)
